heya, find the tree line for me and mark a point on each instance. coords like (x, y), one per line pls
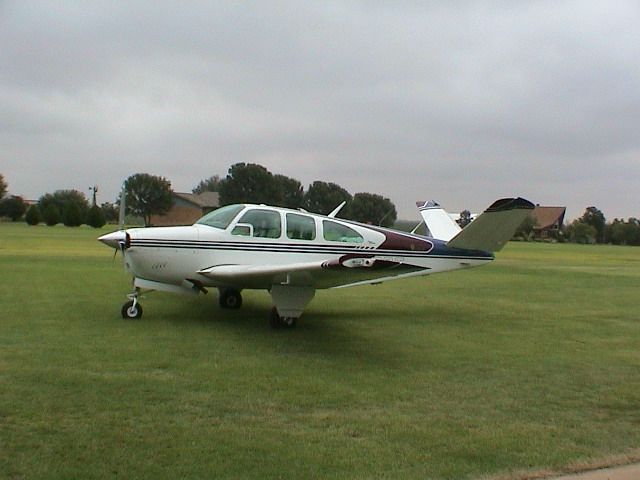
(148, 195)
(592, 227)
(252, 183)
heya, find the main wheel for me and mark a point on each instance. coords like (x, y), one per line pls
(276, 321)
(131, 311)
(230, 298)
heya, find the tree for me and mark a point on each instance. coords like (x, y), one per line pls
(373, 209)
(580, 232)
(248, 183)
(51, 215)
(71, 215)
(594, 217)
(110, 211)
(525, 230)
(323, 197)
(211, 184)
(33, 216)
(632, 231)
(289, 192)
(3, 186)
(620, 232)
(95, 217)
(62, 198)
(13, 207)
(465, 218)
(148, 195)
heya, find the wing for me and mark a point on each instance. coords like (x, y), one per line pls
(348, 269)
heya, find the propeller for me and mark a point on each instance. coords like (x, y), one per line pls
(123, 198)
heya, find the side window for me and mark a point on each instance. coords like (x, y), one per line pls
(300, 227)
(336, 232)
(264, 223)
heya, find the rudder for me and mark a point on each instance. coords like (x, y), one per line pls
(494, 227)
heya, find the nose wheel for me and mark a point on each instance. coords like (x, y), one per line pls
(132, 310)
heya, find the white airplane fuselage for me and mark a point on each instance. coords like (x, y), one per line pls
(172, 254)
(292, 253)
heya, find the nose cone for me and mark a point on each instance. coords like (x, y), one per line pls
(114, 239)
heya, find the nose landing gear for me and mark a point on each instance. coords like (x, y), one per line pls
(132, 310)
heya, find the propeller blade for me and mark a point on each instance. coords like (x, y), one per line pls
(123, 198)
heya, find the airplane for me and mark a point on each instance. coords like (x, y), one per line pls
(292, 253)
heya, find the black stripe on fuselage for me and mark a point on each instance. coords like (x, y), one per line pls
(299, 248)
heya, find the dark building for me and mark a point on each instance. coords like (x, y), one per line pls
(549, 221)
(187, 208)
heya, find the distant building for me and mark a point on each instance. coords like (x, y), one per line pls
(549, 221)
(187, 208)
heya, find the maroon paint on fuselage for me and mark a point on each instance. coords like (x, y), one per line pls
(399, 241)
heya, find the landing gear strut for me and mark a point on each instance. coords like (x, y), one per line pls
(230, 298)
(276, 321)
(132, 309)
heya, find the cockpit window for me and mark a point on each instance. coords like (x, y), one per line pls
(336, 232)
(222, 217)
(264, 223)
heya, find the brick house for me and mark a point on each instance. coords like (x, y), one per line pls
(187, 208)
(549, 221)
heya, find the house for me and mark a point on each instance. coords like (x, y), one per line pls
(187, 208)
(548, 221)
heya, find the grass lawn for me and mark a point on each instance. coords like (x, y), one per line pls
(528, 364)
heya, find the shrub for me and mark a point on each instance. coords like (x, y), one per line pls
(33, 216)
(95, 217)
(13, 207)
(72, 216)
(51, 215)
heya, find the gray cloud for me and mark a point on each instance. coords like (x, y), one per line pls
(458, 101)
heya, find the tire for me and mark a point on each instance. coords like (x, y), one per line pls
(129, 312)
(276, 321)
(230, 298)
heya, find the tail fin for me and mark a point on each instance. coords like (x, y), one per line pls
(439, 223)
(494, 227)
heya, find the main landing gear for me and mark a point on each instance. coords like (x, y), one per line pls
(229, 298)
(276, 321)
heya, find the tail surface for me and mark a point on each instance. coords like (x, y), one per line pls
(494, 227)
(439, 223)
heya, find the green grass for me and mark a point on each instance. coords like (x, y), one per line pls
(527, 364)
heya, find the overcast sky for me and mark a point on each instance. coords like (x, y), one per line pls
(463, 102)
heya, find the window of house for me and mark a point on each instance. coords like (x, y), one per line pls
(300, 227)
(336, 232)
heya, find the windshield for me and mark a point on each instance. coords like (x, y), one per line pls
(222, 217)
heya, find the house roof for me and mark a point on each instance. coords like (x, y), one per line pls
(548, 216)
(202, 200)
